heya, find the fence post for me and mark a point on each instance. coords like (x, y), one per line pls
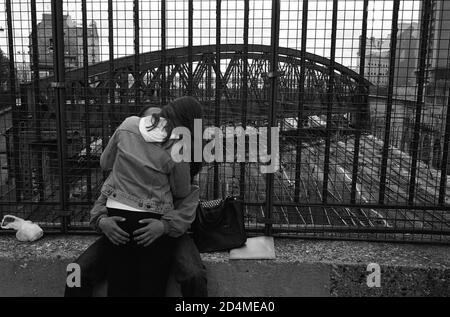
(60, 99)
(36, 97)
(363, 99)
(301, 102)
(330, 101)
(163, 54)
(190, 87)
(272, 110)
(387, 129)
(113, 116)
(244, 96)
(137, 62)
(218, 90)
(15, 111)
(86, 100)
(424, 35)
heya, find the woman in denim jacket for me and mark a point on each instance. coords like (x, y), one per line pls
(143, 182)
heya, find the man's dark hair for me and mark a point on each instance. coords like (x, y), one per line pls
(180, 112)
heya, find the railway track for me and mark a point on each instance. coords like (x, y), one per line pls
(305, 210)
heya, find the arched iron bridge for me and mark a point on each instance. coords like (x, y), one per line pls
(118, 84)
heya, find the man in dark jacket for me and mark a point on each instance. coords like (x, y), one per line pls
(187, 268)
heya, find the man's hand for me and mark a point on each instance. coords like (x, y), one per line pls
(152, 231)
(112, 231)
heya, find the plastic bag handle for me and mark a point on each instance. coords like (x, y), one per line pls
(6, 217)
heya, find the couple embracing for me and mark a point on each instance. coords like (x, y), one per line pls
(146, 206)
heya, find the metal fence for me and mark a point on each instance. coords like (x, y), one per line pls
(358, 88)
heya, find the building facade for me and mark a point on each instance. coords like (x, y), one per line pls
(437, 75)
(438, 70)
(73, 44)
(377, 61)
(378, 57)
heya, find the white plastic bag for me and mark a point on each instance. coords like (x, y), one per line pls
(26, 230)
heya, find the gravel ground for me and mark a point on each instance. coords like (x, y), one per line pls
(287, 250)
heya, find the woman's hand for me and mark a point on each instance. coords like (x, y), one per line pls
(152, 231)
(112, 231)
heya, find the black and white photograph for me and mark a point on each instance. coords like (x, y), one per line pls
(226, 155)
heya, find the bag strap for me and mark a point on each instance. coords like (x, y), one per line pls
(5, 218)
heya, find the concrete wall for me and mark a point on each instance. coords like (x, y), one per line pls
(302, 268)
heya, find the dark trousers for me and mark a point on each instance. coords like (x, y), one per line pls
(134, 270)
(187, 268)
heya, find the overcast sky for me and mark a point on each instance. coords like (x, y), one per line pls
(319, 24)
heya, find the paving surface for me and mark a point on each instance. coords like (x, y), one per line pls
(287, 250)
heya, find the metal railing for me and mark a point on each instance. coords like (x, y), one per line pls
(358, 88)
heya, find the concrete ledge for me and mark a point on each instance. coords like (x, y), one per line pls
(302, 268)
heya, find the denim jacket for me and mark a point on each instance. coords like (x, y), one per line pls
(142, 173)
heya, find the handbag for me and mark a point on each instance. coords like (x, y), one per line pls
(219, 225)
